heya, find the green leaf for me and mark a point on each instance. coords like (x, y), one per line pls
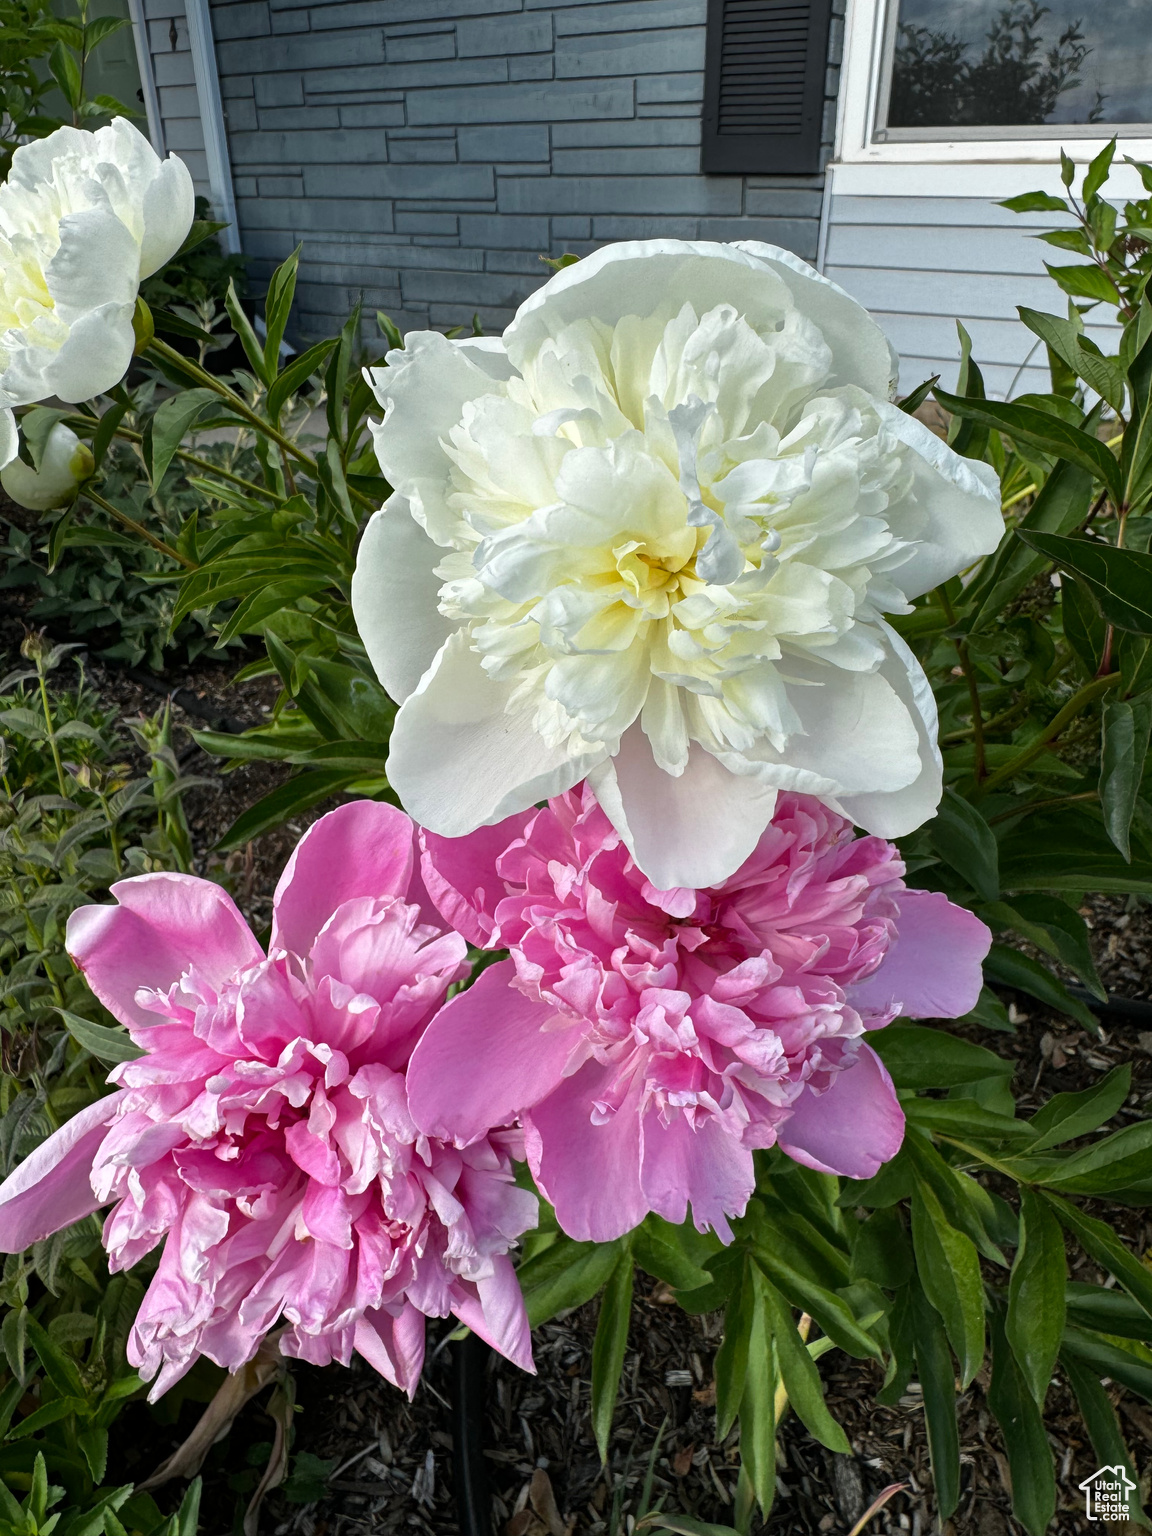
(731, 1364)
(1061, 506)
(1068, 1115)
(1114, 1163)
(1084, 629)
(36, 426)
(564, 1276)
(248, 337)
(683, 1525)
(174, 325)
(284, 801)
(94, 1443)
(296, 374)
(949, 1270)
(1068, 850)
(920, 1057)
(1102, 1425)
(277, 307)
(964, 840)
(1119, 580)
(1011, 968)
(1099, 1242)
(1035, 202)
(1097, 173)
(966, 435)
(1107, 1358)
(1086, 362)
(831, 1311)
(726, 1270)
(1104, 1310)
(1035, 1321)
(65, 70)
(1085, 280)
(1126, 728)
(608, 1348)
(758, 1405)
(168, 428)
(882, 1252)
(107, 1045)
(1053, 926)
(51, 1413)
(800, 1376)
(201, 230)
(966, 1119)
(1029, 1454)
(673, 1254)
(934, 1362)
(97, 30)
(59, 1368)
(1035, 428)
(912, 402)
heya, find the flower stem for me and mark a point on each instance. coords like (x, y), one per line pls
(139, 529)
(1079, 701)
(1042, 805)
(51, 729)
(980, 765)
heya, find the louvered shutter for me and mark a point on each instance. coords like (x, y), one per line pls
(764, 86)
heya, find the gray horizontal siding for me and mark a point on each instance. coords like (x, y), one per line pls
(427, 152)
(919, 264)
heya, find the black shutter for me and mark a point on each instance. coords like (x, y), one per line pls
(764, 86)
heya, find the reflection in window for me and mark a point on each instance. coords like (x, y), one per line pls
(985, 63)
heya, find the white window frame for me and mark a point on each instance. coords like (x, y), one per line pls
(943, 167)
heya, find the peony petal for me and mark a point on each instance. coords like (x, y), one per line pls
(646, 277)
(424, 390)
(9, 438)
(394, 1346)
(933, 970)
(169, 208)
(460, 758)
(365, 848)
(850, 1129)
(395, 596)
(486, 1056)
(94, 358)
(460, 876)
(694, 830)
(896, 812)
(705, 1166)
(957, 499)
(95, 264)
(494, 1309)
(163, 924)
(590, 1173)
(52, 1187)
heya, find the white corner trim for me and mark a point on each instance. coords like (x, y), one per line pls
(212, 120)
(147, 76)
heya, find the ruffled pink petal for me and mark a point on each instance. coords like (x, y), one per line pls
(394, 1346)
(52, 1187)
(486, 1056)
(494, 1309)
(590, 1173)
(364, 848)
(163, 924)
(853, 1127)
(460, 875)
(933, 970)
(705, 1166)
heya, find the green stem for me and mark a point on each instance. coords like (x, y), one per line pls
(127, 434)
(1087, 695)
(1042, 805)
(139, 529)
(51, 729)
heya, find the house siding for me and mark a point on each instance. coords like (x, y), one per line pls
(919, 263)
(176, 86)
(427, 152)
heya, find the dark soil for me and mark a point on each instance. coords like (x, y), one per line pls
(393, 1460)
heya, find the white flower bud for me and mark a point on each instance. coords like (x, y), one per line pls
(64, 465)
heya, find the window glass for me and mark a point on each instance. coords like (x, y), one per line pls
(1015, 63)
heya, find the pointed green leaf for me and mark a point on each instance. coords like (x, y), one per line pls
(934, 1364)
(106, 1044)
(608, 1348)
(800, 1376)
(1068, 1115)
(949, 1270)
(1036, 428)
(1029, 1454)
(1119, 580)
(1035, 1320)
(731, 1364)
(1099, 1242)
(1102, 1425)
(963, 839)
(1125, 728)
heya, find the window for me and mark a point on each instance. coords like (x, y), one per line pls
(764, 81)
(1014, 69)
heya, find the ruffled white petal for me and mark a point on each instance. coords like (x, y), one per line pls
(424, 390)
(951, 515)
(394, 598)
(694, 830)
(9, 437)
(460, 758)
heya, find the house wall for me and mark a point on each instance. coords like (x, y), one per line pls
(918, 263)
(427, 152)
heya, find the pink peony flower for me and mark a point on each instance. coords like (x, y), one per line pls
(264, 1137)
(652, 1039)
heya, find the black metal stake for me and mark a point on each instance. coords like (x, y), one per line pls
(469, 1400)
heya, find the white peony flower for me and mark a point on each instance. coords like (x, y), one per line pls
(83, 218)
(649, 538)
(65, 464)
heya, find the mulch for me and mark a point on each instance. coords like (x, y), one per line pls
(393, 1459)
